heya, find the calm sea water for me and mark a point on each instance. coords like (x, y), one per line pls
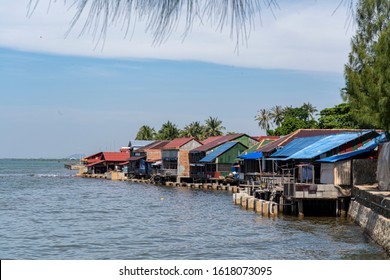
(47, 213)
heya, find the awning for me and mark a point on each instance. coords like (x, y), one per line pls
(136, 158)
(95, 163)
(344, 156)
(254, 155)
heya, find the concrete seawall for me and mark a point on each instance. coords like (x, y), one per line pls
(376, 225)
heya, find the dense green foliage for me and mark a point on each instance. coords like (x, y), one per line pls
(339, 116)
(367, 73)
(287, 119)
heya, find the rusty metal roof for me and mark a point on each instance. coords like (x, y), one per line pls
(211, 139)
(178, 142)
(219, 141)
(158, 144)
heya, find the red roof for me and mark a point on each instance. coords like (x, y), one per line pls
(115, 156)
(177, 143)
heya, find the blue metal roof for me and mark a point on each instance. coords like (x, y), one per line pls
(218, 151)
(368, 147)
(326, 144)
(295, 146)
(254, 155)
(344, 156)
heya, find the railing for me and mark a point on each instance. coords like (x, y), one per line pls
(376, 203)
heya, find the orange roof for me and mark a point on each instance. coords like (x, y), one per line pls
(177, 143)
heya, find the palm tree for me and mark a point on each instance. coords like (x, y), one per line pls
(310, 109)
(168, 131)
(263, 118)
(277, 114)
(213, 127)
(194, 129)
(145, 133)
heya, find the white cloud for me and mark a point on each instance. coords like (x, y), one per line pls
(304, 36)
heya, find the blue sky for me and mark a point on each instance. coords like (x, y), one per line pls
(60, 96)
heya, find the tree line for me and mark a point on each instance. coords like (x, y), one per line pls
(169, 131)
(276, 121)
(281, 120)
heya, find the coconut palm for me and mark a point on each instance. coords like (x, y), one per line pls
(277, 114)
(213, 127)
(263, 118)
(145, 132)
(310, 109)
(168, 131)
(194, 129)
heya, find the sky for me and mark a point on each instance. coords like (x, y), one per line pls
(68, 94)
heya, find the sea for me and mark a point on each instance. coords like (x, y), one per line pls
(47, 213)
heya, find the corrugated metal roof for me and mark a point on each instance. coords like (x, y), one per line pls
(326, 144)
(366, 148)
(115, 156)
(211, 139)
(158, 144)
(136, 158)
(217, 152)
(344, 156)
(271, 147)
(218, 142)
(177, 143)
(261, 138)
(95, 163)
(295, 146)
(256, 146)
(254, 155)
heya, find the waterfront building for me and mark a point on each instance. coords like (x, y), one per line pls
(220, 162)
(146, 161)
(103, 162)
(175, 158)
(197, 168)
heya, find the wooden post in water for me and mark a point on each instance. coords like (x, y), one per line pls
(300, 207)
(343, 208)
(281, 202)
